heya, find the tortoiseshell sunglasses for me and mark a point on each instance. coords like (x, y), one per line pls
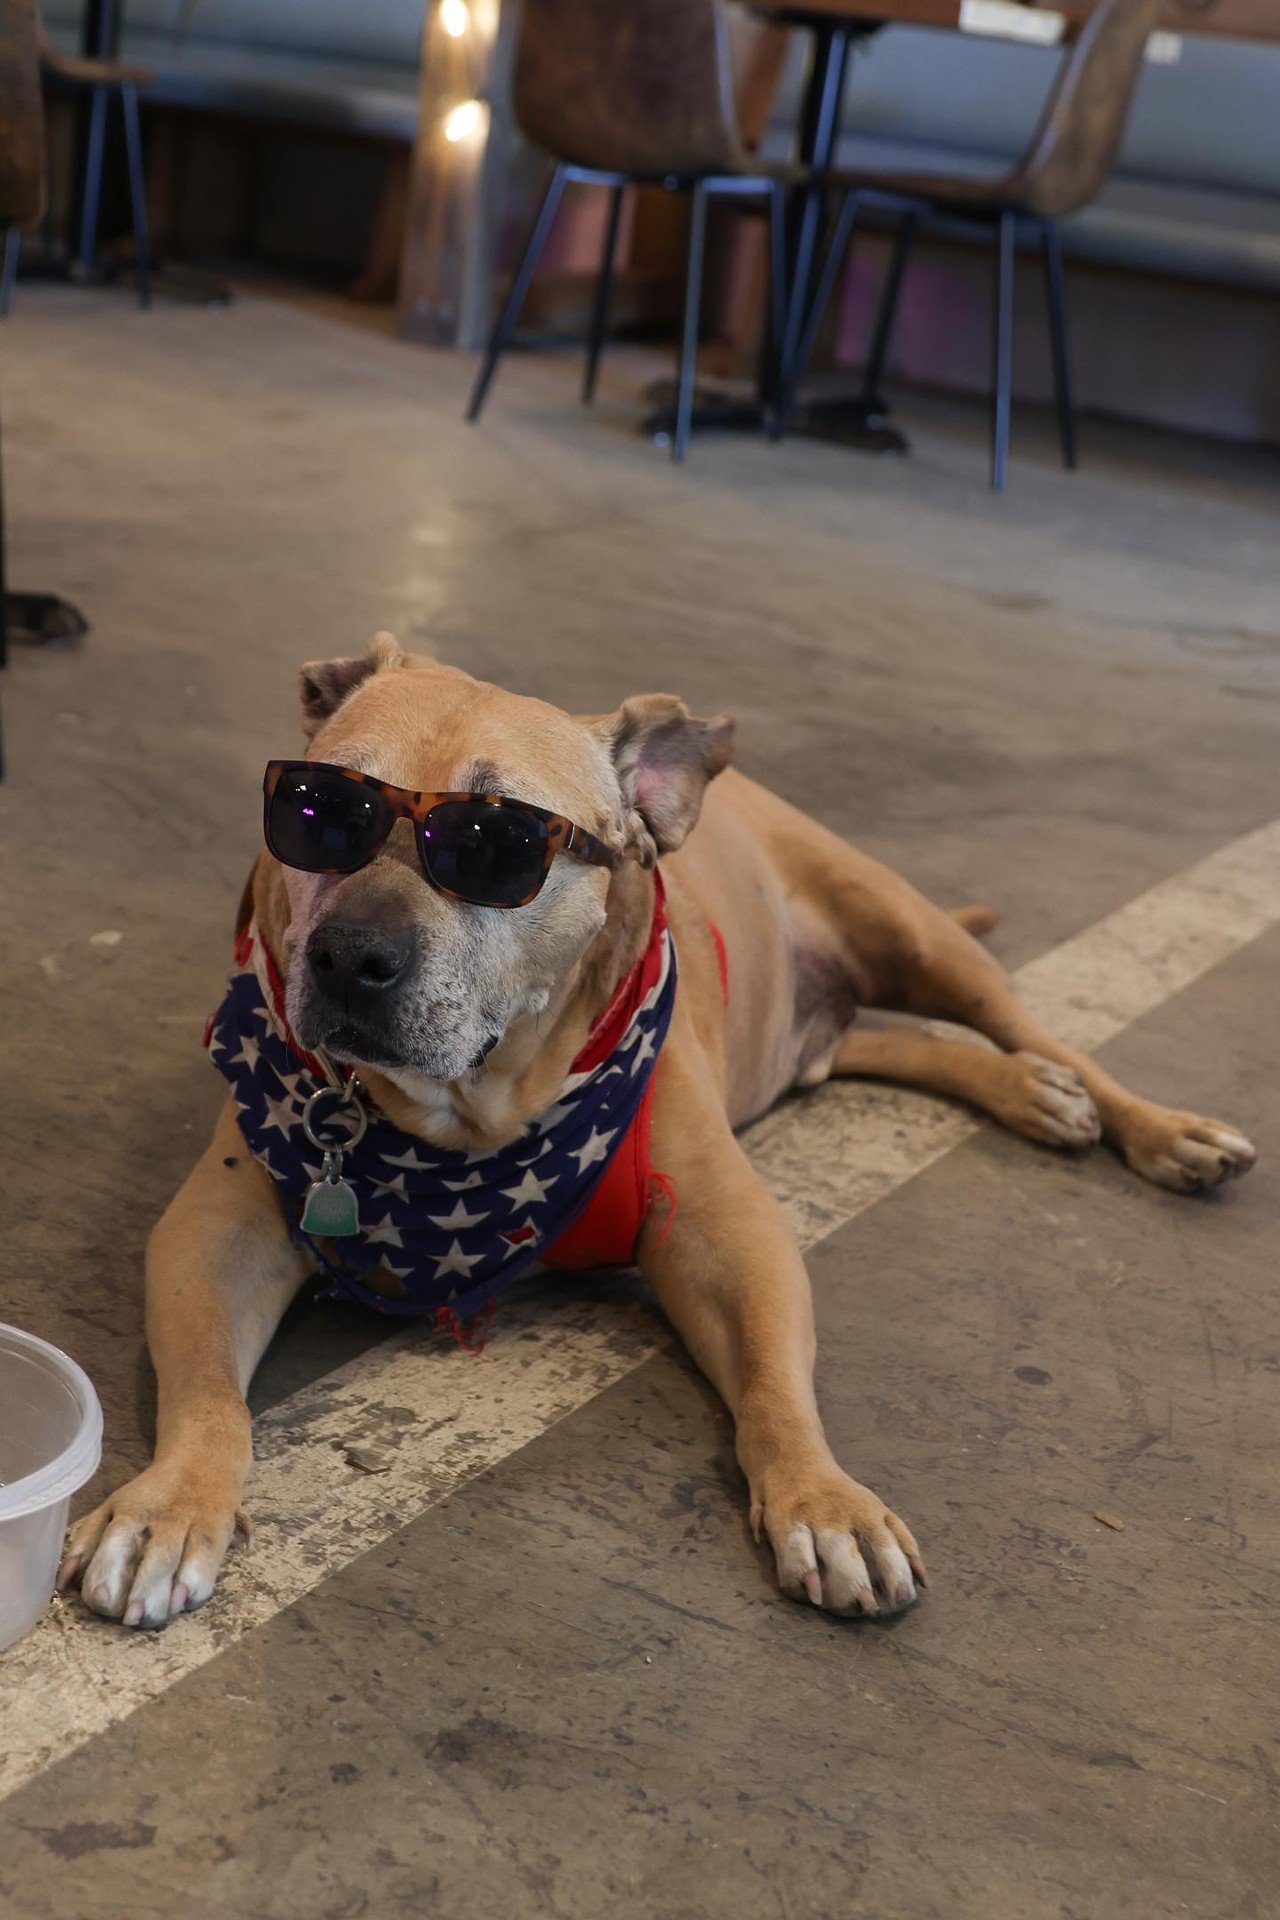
(477, 847)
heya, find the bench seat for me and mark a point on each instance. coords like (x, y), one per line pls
(340, 95)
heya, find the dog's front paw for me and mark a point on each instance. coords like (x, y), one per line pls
(1183, 1152)
(152, 1550)
(1045, 1101)
(836, 1544)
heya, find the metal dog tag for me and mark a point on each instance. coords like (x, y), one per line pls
(331, 1210)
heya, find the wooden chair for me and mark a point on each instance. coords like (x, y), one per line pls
(621, 96)
(1070, 157)
(99, 79)
(21, 182)
(37, 617)
(21, 133)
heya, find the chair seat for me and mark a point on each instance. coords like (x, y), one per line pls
(76, 70)
(951, 192)
(753, 176)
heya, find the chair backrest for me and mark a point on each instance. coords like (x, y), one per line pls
(632, 86)
(1078, 139)
(21, 116)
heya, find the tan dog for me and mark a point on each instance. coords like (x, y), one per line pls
(480, 1037)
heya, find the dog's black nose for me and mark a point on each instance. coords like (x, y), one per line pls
(355, 966)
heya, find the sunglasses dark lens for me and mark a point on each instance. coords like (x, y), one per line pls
(322, 823)
(492, 856)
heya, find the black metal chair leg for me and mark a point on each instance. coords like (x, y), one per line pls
(808, 227)
(9, 270)
(505, 325)
(137, 192)
(93, 179)
(775, 326)
(886, 314)
(1002, 383)
(692, 318)
(604, 285)
(1056, 294)
(4, 588)
(828, 274)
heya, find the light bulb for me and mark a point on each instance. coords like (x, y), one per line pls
(463, 120)
(455, 17)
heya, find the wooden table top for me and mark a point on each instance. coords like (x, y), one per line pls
(1242, 19)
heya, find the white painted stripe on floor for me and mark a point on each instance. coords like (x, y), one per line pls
(442, 1416)
(439, 1416)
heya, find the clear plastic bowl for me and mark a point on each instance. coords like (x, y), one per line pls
(50, 1444)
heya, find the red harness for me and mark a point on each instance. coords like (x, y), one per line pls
(606, 1232)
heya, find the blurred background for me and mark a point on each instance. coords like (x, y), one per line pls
(298, 139)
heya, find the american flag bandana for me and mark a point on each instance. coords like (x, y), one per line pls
(451, 1229)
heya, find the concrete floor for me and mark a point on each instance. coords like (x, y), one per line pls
(569, 1688)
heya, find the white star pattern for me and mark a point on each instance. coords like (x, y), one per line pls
(596, 1149)
(249, 1053)
(408, 1159)
(456, 1261)
(384, 1233)
(522, 1235)
(394, 1185)
(280, 1114)
(645, 1051)
(463, 1186)
(531, 1191)
(457, 1219)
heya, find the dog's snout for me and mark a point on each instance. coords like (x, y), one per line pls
(356, 965)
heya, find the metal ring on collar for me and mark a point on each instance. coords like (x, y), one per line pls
(350, 1108)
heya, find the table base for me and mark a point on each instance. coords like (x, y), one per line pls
(845, 420)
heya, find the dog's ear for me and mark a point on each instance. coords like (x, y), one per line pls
(325, 684)
(663, 758)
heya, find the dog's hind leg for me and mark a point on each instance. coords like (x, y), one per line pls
(1032, 1095)
(949, 976)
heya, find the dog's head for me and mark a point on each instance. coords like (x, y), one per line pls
(384, 971)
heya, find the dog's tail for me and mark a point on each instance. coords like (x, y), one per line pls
(976, 920)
